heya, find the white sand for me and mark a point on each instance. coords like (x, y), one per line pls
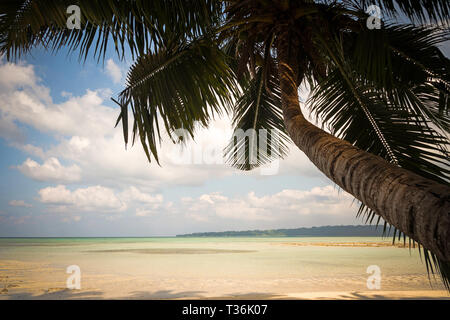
(29, 280)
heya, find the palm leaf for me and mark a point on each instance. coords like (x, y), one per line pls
(134, 25)
(395, 59)
(422, 11)
(258, 113)
(179, 86)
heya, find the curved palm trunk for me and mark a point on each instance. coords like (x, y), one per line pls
(417, 206)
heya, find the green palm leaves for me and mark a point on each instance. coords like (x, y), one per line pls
(390, 103)
(417, 10)
(134, 25)
(259, 136)
(174, 88)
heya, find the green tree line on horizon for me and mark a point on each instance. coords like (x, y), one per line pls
(322, 231)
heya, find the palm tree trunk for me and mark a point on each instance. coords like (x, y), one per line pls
(417, 206)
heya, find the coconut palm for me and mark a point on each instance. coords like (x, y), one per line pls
(380, 94)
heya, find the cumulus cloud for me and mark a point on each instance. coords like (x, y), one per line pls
(316, 206)
(77, 116)
(13, 75)
(101, 199)
(114, 71)
(50, 170)
(19, 203)
(96, 198)
(134, 194)
(287, 203)
(148, 204)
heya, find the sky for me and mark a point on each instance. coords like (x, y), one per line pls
(65, 171)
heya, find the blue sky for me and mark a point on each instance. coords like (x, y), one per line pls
(65, 171)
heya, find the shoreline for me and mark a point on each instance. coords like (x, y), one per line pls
(380, 244)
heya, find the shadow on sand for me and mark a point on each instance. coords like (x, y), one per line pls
(66, 294)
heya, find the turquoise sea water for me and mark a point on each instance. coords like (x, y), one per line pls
(281, 254)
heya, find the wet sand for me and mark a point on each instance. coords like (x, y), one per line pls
(347, 244)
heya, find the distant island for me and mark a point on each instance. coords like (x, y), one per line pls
(324, 231)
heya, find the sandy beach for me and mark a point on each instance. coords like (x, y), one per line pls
(214, 269)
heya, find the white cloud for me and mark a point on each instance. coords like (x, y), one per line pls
(285, 204)
(75, 117)
(99, 198)
(134, 194)
(50, 170)
(19, 203)
(149, 204)
(312, 205)
(96, 198)
(13, 75)
(113, 70)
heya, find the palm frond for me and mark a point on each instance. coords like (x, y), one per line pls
(421, 11)
(395, 59)
(259, 136)
(415, 144)
(179, 86)
(134, 25)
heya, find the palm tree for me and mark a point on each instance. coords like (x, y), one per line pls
(382, 95)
